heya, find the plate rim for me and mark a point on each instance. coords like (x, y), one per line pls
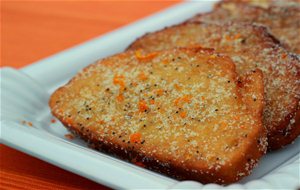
(34, 71)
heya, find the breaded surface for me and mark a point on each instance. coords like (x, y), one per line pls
(250, 47)
(183, 112)
(283, 21)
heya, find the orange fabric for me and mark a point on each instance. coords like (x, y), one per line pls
(21, 171)
(31, 30)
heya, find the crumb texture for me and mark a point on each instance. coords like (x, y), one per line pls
(186, 109)
(250, 47)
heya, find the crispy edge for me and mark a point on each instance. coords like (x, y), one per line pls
(219, 6)
(258, 29)
(288, 132)
(255, 11)
(289, 129)
(254, 150)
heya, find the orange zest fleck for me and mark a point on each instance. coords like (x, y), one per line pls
(236, 117)
(120, 98)
(119, 80)
(142, 76)
(29, 124)
(283, 56)
(143, 106)
(223, 124)
(202, 98)
(242, 127)
(134, 84)
(101, 122)
(53, 120)
(135, 137)
(69, 136)
(159, 92)
(183, 114)
(165, 61)
(177, 87)
(176, 102)
(237, 36)
(187, 98)
(152, 102)
(227, 37)
(184, 99)
(139, 56)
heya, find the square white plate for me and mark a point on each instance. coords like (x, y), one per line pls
(24, 97)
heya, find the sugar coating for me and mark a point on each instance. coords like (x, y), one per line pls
(178, 107)
(250, 47)
(282, 21)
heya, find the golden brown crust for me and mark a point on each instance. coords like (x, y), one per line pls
(287, 132)
(282, 21)
(250, 47)
(210, 112)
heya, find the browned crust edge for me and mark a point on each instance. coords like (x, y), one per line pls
(289, 129)
(287, 132)
(166, 168)
(262, 30)
(245, 5)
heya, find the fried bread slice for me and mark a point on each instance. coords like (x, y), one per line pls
(182, 112)
(250, 47)
(283, 22)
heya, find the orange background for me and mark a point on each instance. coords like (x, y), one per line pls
(32, 30)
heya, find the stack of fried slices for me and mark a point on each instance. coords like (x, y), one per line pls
(203, 100)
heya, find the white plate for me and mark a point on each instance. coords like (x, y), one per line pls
(25, 93)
